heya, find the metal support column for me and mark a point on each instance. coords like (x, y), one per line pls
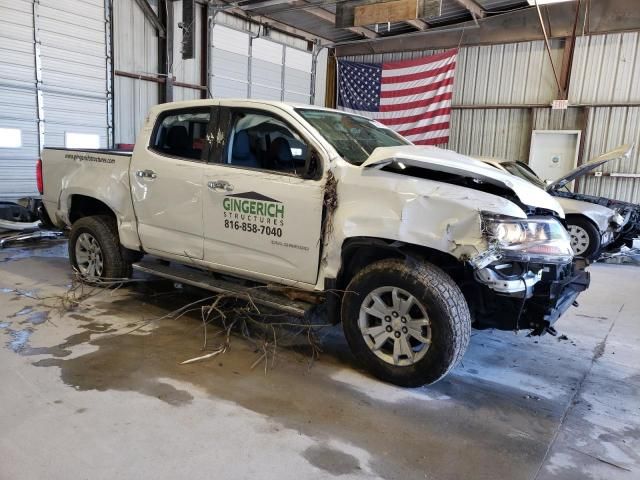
(38, 64)
(108, 17)
(168, 86)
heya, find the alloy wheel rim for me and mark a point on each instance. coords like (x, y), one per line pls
(89, 256)
(395, 326)
(579, 239)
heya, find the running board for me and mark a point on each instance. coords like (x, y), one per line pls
(200, 279)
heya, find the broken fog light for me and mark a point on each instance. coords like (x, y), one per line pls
(541, 239)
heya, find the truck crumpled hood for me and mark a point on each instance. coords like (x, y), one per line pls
(441, 160)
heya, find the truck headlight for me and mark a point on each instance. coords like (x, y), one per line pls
(532, 239)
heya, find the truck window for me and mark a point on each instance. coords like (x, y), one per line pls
(182, 133)
(262, 141)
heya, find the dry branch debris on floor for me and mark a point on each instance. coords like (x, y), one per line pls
(237, 314)
(264, 330)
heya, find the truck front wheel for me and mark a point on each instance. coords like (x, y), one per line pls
(94, 249)
(407, 322)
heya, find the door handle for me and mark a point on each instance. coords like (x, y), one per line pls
(146, 174)
(220, 185)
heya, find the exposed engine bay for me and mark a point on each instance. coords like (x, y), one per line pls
(629, 211)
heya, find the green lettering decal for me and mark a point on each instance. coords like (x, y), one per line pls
(258, 208)
(280, 211)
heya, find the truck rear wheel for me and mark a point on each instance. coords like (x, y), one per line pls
(94, 249)
(407, 323)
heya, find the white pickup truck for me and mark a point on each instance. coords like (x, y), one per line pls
(407, 246)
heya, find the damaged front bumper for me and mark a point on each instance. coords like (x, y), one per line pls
(518, 295)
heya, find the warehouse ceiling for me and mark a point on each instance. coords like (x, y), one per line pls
(437, 23)
(318, 17)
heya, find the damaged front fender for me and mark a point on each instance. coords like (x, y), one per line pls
(440, 216)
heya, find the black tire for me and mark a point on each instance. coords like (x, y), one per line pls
(592, 251)
(104, 229)
(446, 308)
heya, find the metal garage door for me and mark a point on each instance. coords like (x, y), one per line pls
(18, 105)
(266, 69)
(75, 81)
(53, 68)
(245, 67)
(297, 75)
(229, 71)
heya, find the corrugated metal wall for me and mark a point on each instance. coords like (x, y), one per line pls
(607, 128)
(187, 71)
(499, 133)
(511, 74)
(135, 51)
(489, 78)
(605, 71)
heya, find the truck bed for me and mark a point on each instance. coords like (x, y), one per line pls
(100, 174)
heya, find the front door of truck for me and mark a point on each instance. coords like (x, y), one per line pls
(262, 214)
(166, 183)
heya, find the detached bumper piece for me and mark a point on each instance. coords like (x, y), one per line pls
(556, 288)
(554, 297)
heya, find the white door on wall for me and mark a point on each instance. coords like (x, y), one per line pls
(554, 153)
(229, 72)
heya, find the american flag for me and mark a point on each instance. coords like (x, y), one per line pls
(413, 97)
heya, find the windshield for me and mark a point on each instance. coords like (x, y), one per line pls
(353, 137)
(524, 173)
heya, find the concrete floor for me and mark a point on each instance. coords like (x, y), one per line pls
(84, 397)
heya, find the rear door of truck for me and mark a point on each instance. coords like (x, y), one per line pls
(166, 183)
